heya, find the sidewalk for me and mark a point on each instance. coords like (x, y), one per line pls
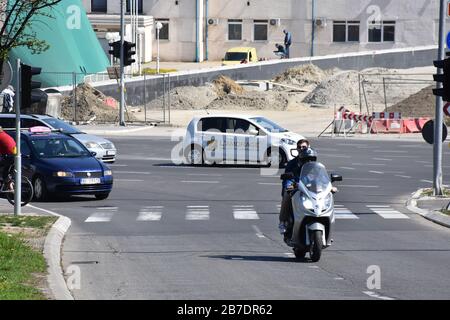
(430, 207)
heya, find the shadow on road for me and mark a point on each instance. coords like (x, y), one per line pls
(258, 258)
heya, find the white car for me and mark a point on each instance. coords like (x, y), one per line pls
(104, 149)
(237, 139)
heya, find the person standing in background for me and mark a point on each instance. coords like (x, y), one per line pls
(8, 99)
(287, 42)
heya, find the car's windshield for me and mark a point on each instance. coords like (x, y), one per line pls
(315, 177)
(268, 125)
(235, 56)
(59, 148)
(59, 124)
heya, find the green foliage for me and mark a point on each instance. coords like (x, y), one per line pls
(17, 25)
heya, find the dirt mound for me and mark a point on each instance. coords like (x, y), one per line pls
(89, 103)
(304, 75)
(224, 85)
(253, 100)
(185, 98)
(421, 104)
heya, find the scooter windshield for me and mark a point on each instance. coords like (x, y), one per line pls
(315, 177)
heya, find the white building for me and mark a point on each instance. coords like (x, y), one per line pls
(195, 30)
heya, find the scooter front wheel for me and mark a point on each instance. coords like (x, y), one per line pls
(299, 253)
(316, 246)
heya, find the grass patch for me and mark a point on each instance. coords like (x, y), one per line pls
(429, 192)
(447, 212)
(22, 267)
(151, 71)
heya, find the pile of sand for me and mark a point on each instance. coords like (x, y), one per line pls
(304, 75)
(89, 103)
(186, 98)
(421, 104)
(252, 100)
(224, 85)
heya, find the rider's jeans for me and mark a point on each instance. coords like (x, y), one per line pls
(286, 208)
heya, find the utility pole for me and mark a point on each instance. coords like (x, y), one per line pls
(437, 147)
(122, 56)
(17, 158)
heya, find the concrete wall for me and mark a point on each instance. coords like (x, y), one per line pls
(416, 24)
(138, 93)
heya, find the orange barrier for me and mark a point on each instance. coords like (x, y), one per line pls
(408, 125)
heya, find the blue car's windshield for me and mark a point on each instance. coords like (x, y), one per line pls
(59, 148)
(268, 125)
(59, 124)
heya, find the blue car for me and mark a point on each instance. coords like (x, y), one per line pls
(60, 165)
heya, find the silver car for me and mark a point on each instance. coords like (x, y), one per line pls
(104, 149)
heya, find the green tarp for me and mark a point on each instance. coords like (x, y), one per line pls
(74, 47)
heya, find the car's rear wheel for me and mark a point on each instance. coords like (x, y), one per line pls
(40, 189)
(194, 155)
(101, 196)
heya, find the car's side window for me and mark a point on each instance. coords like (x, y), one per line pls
(230, 125)
(244, 127)
(8, 123)
(24, 148)
(211, 124)
(30, 123)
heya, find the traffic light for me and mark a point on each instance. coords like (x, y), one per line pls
(115, 49)
(444, 78)
(128, 53)
(27, 85)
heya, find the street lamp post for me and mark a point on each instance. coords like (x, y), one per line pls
(158, 28)
(140, 32)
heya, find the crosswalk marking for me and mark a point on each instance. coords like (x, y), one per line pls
(247, 212)
(104, 214)
(150, 213)
(387, 212)
(341, 212)
(197, 213)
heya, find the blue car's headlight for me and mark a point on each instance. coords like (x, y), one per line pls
(63, 174)
(107, 173)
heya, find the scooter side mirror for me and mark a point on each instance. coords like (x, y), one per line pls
(294, 152)
(287, 176)
(335, 177)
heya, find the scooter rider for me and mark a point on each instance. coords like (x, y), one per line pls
(295, 167)
(305, 154)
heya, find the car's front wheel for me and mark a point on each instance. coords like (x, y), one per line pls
(40, 189)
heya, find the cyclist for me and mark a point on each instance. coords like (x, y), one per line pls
(8, 149)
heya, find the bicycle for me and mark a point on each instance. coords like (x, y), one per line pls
(7, 188)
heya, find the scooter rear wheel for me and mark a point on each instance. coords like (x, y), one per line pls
(316, 246)
(299, 253)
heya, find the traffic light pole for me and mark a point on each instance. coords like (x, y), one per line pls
(17, 158)
(122, 58)
(437, 148)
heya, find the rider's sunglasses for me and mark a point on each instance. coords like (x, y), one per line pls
(302, 147)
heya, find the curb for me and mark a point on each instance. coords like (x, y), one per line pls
(434, 216)
(52, 253)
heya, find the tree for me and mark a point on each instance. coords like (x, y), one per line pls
(16, 19)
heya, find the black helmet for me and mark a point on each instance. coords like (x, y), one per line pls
(308, 154)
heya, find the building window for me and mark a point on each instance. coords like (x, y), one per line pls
(164, 32)
(234, 29)
(99, 6)
(139, 3)
(260, 29)
(346, 31)
(383, 31)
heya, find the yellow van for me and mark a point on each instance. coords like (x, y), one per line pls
(240, 55)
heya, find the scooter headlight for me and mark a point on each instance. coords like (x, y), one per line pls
(328, 201)
(307, 203)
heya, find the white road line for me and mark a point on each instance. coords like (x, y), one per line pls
(117, 165)
(387, 212)
(244, 213)
(399, 175)
(369, 164)
(344, 213)
(376, 295)
(197, 213)
(347, 168)
(382, 159)
(427, 181)
(362, 179)
(357, 186)
(335, 156)
(259, 234)
(204, 174)
(103, 216)
(391, 151)
(377, 172)
(188, 181)
(150, 213)
(289, 254)
(269, 183)
(128, 180)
